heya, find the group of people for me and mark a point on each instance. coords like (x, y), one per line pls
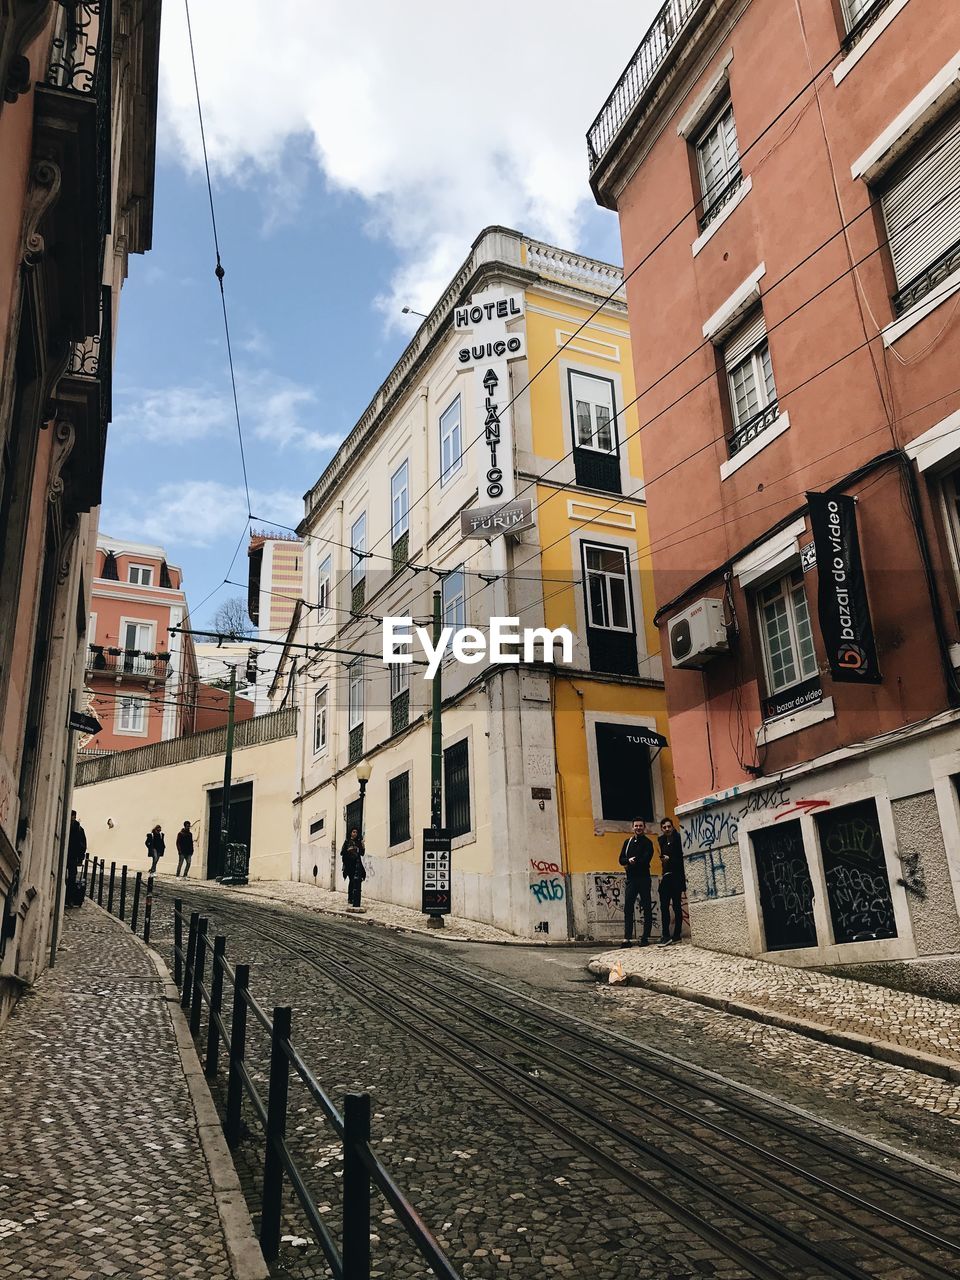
(635, 857)
(157, 846)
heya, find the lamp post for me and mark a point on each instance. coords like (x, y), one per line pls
(364, 770)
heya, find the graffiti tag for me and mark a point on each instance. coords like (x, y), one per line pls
(548, 890)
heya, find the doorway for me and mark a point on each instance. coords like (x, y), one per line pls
(241, 822)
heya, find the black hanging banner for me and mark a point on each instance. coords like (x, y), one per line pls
(842, 605)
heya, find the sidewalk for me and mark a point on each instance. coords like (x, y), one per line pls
(895, 1026)
(104, 1172)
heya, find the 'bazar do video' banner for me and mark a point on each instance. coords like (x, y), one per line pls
(843, 608)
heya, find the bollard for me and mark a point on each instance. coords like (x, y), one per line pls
(191, 956)
(135, 909)
(272, 1197)
(178, 942)
(238, 1045)
(100, 889)
(113, 872)
(196, 1000)
(148, 910)
(216, 1000)
(356, 1188)
(123, 890)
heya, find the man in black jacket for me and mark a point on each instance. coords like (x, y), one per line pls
(635, 856)
(673, 881)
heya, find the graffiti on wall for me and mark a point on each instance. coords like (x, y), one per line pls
(604, 899)
(548, 889)
(708, 834)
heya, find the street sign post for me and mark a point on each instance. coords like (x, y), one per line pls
(436, 872)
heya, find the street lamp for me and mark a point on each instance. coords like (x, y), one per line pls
(364, 770)
(409, 311)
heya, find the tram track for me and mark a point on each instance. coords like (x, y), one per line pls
(710, 1140)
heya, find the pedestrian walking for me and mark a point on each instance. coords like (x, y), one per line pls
(184, 849)
(351, 857)
(156, 847)
(636, 856)
(673, 881)
(76, 852)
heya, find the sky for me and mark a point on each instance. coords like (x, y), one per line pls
(356, 152)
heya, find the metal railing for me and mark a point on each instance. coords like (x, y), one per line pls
(927, 280)
(362, 1170)
(750, 429)
(865, 20)
(722, 197)
(94, 878)
(638, 75)
(127, 662)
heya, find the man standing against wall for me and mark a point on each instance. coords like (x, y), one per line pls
(184, 849)
(635, 856)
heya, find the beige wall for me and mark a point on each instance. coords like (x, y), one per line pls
(174, 792)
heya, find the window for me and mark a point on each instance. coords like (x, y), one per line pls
(456, 788)
(399, 693)
(753, 394)
(316, 827)
(784, 887)
(358, 544)
(132, 715)
(607, 588)
(319, 721)
(92, 629)
(454, 599)
(140, 575)
(623, 767)
(854, 11)
(855, 869)
(355, 694)
(921, 207)
(451, 442)
(718, 161)
(400, 501)
(399, 674)
(323, 584)
(137, 639)
(785, 634)
(596, 455)
(950, 495)
(400, 808)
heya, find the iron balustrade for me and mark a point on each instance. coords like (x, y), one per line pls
(638, 75)
(127, 662)
(928, 279)
(400, 711)
(401, 552)
(361, 1167)
(750, 429)
(722, 198)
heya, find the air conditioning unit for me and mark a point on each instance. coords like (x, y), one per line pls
(697, 634)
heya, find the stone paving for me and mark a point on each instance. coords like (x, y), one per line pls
(858, 1011)
(102, 1170)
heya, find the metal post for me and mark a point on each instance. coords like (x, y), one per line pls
(178, 942)
(196, 998)
(100, 889)
(135, 909)
(271, 1200)
(113, 874)
(191, 956)
(216, 1000)
(356, 1188)
(436, 736)
(123, 890)
(148, 910)
(227, 773)
(238, 1044)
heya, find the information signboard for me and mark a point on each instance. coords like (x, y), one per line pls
(436, 871)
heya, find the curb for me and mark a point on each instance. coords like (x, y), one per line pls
(243, 1248)
(883, 1050)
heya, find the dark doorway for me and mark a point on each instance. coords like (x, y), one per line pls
(241, 819)
(785, 887)
(858, 889)
(626, 781)
(352, 818)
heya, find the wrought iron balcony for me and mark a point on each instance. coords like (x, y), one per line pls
(400, 711)
(750, 429)
(655, 47)
(358, 595)
(125, 664)
(927, 280)
(723, 197)
(401, 552)
(355, 744)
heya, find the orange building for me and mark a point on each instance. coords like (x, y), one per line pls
(274, 585)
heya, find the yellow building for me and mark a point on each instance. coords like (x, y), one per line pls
(500, 464)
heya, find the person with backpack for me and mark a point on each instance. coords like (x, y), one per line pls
(156, 847)
(351, 858)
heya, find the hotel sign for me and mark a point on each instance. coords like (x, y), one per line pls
(487, 318)
(487, 347)
(492, 522)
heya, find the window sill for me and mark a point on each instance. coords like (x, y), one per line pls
(869, 38)
(937, 295)
(742, 192)
(403, 847)
(783, 726)
(767, 436)
(468, 837)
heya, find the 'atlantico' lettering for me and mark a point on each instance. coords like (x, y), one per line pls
(470, 645)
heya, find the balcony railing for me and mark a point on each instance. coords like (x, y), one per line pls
(355, 744)
(723, 197)
(401, 552)
(400, 711)
(927, 280)
(750, 429)
(131, 663)
(654, 48)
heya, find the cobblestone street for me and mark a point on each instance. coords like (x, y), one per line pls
(472, 1111)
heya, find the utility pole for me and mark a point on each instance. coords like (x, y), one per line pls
(436, 735)
(227, 775)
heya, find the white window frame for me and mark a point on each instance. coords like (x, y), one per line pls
(355, 694)
(709, 193)
(400, 497)
(320, 714)
(140, 665)
(324, 579)
(850, 15)
(593, 403)
(454, 606)
(753, 360)
(788, 582)
(140, 569)
(91, 629)
(125, 704)
(585, 548)
(399, 673)
(358, 546)
(451, 430)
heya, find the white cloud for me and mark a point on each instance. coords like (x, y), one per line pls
(442, 117)
(197, 513)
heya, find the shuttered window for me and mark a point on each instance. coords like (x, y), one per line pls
(400, 809)
(749, 372)
(718, 156)
(456, 787)
(921, 205)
